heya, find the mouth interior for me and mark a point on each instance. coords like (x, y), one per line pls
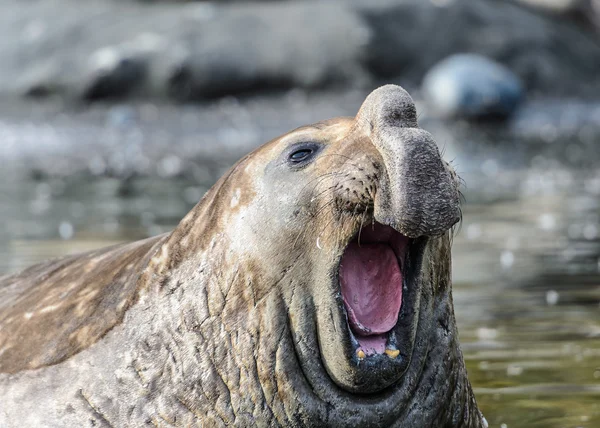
(371, 284)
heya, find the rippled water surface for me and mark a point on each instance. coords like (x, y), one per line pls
(526, 264)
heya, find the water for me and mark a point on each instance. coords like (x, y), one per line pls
(526, 259)
(527, 305)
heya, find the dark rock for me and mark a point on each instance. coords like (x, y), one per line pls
(472, 86)
(113, 75)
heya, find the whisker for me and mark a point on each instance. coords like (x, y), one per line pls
(320, 193)
(362, 219)
(322, 176)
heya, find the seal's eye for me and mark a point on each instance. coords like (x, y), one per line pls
(301, 154)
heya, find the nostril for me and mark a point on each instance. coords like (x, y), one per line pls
(404, 116)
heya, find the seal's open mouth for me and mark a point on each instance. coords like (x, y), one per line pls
(371, 279)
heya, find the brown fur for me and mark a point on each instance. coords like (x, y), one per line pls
(53, 310)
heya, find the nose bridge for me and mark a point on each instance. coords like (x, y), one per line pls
(417, 195)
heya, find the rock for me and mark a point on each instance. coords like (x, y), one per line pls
(551, 56)
(112, 74)
(40, 80)
(559, 7)
(183, 50)
(472, 86)
(302, 45)
(198, 50)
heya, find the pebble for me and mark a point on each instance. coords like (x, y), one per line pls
(472, 86)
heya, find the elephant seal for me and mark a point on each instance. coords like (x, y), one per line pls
(309, 287)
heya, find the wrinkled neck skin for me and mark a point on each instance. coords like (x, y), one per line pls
(233, 354)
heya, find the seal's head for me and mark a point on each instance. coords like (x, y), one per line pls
(343, 226)
(356, 201)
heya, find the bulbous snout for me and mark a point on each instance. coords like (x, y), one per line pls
(418, 194)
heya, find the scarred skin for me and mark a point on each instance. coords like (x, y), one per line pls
(236, 317)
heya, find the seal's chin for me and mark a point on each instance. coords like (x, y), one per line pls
(371, 280)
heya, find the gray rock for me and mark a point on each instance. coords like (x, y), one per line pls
(191, 50)
(472, 86)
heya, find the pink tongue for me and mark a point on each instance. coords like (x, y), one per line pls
(371, 283)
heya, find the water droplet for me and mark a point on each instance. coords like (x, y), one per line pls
(547, 221)
(507, 259)
(552, 297)
(66, 230)
(169, 166)
(590, 231)
(485, 333)
(474, 231)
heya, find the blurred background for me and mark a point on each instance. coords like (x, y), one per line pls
(117, 116)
